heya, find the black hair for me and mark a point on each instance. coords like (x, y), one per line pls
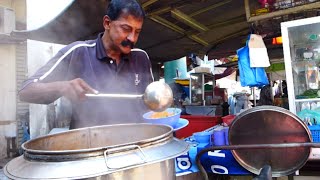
(131, 7)
(265, 96)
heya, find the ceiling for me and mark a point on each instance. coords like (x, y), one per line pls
(172, 29)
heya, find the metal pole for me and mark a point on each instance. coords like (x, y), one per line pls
(254, 97)
(203, 89)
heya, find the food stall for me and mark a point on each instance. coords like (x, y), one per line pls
(198, 122)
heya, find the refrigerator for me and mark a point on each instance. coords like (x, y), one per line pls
(301, 49)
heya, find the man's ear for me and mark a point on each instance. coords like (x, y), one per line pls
(106, 22)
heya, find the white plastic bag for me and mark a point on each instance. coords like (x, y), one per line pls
(258, 52)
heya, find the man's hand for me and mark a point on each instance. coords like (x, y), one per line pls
(76, 89)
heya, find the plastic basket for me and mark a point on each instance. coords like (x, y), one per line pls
(315, 132)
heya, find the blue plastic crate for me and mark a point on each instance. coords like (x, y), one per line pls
(315, 132)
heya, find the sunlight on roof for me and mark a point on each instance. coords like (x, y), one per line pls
(40, 12)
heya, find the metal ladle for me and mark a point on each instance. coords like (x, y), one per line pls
(158, 96)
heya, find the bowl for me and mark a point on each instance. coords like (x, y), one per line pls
(170, 120)
(202, 137)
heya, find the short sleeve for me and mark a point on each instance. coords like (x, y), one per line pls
(55, 69)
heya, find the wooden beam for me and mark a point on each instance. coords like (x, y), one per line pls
(159, 11)
(188, 20)
(198, 40)
(214, 6)
(240, 32)
(228, 22)
(168, 7)
(178, 29)
(148, 3)
(167, 24)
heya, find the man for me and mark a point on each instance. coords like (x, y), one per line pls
(108, 64)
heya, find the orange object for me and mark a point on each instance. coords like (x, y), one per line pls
(277, 40)
(163, 114)
(196, 124)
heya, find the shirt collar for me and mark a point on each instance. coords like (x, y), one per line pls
(101, 53)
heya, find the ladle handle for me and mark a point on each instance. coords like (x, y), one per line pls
(115, 95)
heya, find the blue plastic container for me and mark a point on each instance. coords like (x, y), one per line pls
(202, 137)
(218, 137)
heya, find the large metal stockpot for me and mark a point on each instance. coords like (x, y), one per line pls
(128, 151)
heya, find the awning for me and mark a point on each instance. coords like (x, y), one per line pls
(173, 28)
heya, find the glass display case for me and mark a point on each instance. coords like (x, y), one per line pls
(301, 47)
(201, 88)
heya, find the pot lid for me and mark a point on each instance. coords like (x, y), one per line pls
(95, 151)
(270, 125)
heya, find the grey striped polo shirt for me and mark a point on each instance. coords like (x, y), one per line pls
(88, 60)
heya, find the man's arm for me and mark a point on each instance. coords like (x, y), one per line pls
(45, 93)
(41, 93)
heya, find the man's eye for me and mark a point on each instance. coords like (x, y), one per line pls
(127, 29)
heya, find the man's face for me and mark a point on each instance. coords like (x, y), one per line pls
(124, 32)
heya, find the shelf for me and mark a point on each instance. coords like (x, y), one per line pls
(300, 66)
(305, 43)
(299, 60)
(307, 100)
(299, 63)
(228, 65)
(200, 73)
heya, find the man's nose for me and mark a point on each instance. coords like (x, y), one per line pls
(132, 37)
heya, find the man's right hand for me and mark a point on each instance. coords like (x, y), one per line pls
(76, 89)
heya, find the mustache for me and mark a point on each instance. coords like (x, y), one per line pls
(127, 43)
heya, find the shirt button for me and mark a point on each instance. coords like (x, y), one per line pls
(111, 61)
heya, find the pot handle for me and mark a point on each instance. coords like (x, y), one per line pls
(143, 157)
